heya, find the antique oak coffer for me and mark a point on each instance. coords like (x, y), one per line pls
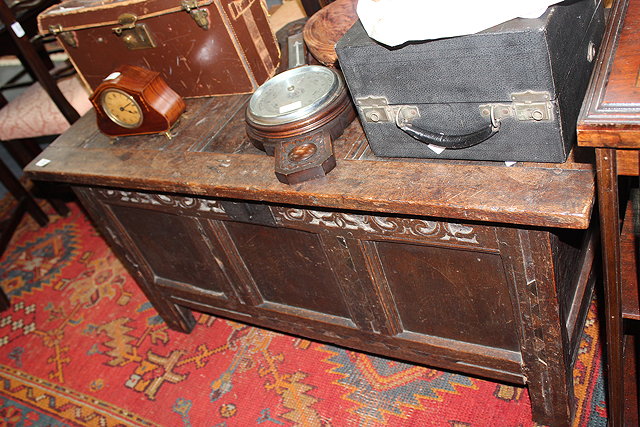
(467, 266)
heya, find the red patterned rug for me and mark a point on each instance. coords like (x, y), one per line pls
(82, 346)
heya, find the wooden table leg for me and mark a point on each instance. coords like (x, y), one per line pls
(544, 343)
(610, 229)
(177, 317)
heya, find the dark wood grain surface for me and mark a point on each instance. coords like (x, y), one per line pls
(610, 121)
(629, 269)
(211, 155)
(623, 86)
(610, 115)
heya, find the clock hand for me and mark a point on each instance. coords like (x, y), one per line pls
(124, 107)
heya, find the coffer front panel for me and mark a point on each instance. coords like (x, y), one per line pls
(174, 247)
(289, 267)
(450, 293)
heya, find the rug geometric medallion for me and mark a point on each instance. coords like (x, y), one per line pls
(81, 345)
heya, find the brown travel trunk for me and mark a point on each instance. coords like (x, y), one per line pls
(201, 48)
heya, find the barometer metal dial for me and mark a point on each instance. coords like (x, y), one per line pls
(294, 95)
(295, 115)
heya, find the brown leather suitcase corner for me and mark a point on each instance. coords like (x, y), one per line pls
(200, 47)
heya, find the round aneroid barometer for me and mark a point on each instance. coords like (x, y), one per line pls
(293, 95)
(294, 117)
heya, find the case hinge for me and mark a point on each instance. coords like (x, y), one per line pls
(526, 106)
(377, 109)
(69, 37)
(134, 35)
(201, 16)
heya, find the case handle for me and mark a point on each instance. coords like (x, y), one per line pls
(455, 142)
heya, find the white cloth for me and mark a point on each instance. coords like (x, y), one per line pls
(393, 22)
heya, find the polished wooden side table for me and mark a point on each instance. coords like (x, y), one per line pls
(610, 122)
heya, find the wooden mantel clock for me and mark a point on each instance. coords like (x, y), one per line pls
(134, 101)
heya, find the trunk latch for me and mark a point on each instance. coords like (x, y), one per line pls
(377, 109)
(199, 15)
(526, 106)
(68, 37)
(134, 35)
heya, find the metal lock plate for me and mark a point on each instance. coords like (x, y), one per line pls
(134, 35)
(531, 105)
(199, 15)
(526, 106)
(376, 109)
(69, 37)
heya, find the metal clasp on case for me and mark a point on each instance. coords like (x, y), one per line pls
(376, 109)
(69, 37)
(134, 35)
(526, 106)
(199, 15)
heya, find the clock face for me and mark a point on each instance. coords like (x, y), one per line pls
(294, 94)
(121, 108)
